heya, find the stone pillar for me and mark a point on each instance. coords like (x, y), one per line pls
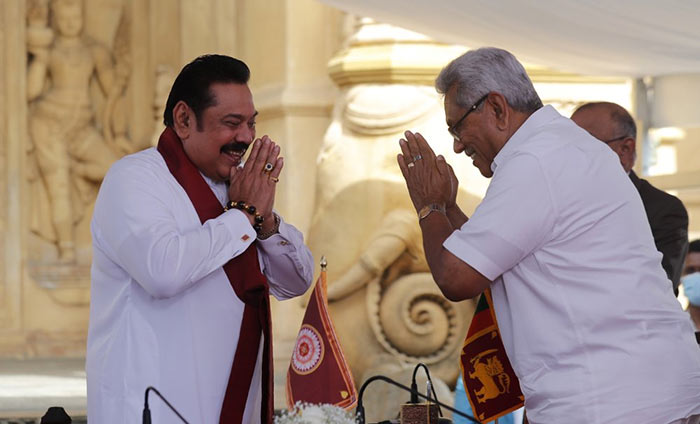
(675, 125)
(287, 44)
(13, 115)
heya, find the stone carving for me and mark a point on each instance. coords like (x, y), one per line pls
(77, 124)
(387, 310)
(165, 76)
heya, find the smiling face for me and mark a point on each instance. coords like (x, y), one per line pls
(214, 143)
(474, 134)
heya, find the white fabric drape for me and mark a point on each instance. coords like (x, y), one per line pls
(631, 38)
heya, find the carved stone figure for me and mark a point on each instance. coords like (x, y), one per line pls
(72, 145)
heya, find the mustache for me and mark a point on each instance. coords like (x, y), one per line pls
(236, 146)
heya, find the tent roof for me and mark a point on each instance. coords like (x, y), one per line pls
(631, 38)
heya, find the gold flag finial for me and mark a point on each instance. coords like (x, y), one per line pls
(324, 263)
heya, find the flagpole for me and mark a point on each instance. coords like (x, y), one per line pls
(324, 264)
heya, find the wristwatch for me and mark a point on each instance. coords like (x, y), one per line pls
(429, 208)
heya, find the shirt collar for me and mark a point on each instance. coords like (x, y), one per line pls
(540, 117)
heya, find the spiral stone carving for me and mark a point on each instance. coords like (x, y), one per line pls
(413, 321)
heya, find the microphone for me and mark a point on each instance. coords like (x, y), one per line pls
(147, 412)
(360, 410)
(414, 386)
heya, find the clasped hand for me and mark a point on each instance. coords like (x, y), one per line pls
(429, 178)
(254, 182)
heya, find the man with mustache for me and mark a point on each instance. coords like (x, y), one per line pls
(561, 240)
(668, 219)
(187, 249)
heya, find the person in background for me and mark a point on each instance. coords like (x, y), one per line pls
(668, 219)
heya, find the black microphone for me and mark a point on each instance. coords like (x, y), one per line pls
(414, 386)
(360, 410)
(147, 412)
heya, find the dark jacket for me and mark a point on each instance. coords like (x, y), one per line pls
(669, 226)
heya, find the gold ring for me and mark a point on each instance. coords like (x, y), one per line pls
(274, 179)
(411, 164)
(268, 167)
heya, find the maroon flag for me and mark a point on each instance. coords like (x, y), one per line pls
(492, 387)
(318, 372)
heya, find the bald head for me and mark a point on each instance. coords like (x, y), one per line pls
(613, 125)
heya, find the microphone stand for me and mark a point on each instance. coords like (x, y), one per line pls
(360, 410)
(414, 386)
(147, 412)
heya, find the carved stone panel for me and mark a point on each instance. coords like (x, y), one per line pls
(77, 75)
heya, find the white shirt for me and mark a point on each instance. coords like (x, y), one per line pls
(587, 315)
(162, 311)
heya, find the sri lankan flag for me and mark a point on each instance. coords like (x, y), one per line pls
(489, 380)
(318, 372)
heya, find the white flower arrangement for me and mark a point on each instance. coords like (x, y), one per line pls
(309, 413)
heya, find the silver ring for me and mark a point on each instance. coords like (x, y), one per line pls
(417, 157)
(268, 167)
(410, 164)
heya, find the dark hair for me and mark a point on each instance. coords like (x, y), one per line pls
(193, 83)
(694, 246)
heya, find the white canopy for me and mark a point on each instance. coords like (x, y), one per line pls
(631, 38)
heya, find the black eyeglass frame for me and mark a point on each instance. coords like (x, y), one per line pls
(453, 130)
(622, 137)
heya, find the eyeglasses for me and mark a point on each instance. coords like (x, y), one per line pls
(614, 139)
(454, 129)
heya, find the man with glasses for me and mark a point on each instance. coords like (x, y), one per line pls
(667, 216)
(562, 243)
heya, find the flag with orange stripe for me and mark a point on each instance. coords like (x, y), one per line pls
(318, 372)
(492, 387)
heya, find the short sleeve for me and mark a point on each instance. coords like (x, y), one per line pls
(515, 218)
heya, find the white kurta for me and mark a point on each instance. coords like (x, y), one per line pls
(162, 312)
(587, 315)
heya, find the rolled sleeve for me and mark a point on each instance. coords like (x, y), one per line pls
(515, 218)
(484, 251)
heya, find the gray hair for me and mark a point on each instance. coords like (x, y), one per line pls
(489, 69)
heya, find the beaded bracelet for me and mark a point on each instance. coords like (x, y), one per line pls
(250, 209)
